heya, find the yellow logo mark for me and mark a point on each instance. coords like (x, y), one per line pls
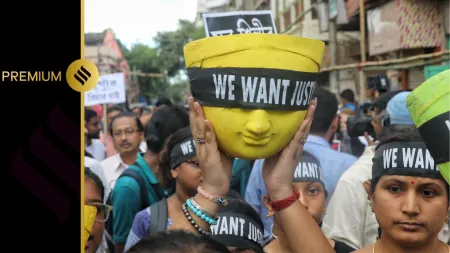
(82, 75)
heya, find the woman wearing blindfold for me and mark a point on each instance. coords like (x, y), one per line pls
(180, 164)
(409, 197)
(308, 182)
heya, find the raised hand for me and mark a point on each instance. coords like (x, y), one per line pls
(278, 171)
(215, 166)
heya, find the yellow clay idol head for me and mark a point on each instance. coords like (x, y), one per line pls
(254, 88)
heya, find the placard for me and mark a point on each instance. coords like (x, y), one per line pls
(239, 22)
(110, 89)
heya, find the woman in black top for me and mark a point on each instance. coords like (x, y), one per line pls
(308, 181)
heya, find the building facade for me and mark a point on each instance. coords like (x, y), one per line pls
(104, 50)
(210, 6)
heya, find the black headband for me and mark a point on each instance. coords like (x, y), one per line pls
(182, 152)
(406, 159)
(308, 170)
(239, 231)
(252, 88)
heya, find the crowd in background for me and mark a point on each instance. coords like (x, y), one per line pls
(145, 169)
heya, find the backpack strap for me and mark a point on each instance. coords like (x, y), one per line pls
(154, 187)
(142, 188)
(159, 216)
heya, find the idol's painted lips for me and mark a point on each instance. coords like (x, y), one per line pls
(255, 140)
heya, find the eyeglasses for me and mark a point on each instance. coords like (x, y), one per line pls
(103, 211)
(128, 132)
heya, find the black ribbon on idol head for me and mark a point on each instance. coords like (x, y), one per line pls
(405, 159)
(239, 231)
(252, 88)
(436, 134)
(183, 151)
(308, 170)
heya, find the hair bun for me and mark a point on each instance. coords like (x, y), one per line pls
(154, 142)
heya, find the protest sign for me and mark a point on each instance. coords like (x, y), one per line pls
(239, 22)
(110, 89)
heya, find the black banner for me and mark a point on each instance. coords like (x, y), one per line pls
(404, 158)
(241, 22)
(436, 134)
(252, 88)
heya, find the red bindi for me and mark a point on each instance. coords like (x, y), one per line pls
(412, 182)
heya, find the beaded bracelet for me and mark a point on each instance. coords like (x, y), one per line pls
(200, 214)
(192, 221)
(196, 205)
(218, 200)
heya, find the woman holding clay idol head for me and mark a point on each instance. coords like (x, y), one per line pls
(256, 89)
(409, 197)
(308, 182)
(278, 174)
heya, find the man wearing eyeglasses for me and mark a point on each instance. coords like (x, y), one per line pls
(127, 134)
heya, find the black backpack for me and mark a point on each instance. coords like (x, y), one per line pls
(159, 219)
(109, 225)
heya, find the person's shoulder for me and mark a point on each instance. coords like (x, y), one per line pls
(97, 142)
(95, 167)
(356, 174)
(360, 170)
(126, 182)
(339, 157)
(143, 215)
(110, 161)
(125, 190)
(90, 162)
(348, 157)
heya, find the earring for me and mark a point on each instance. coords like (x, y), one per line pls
(371, 207)
(325, 212)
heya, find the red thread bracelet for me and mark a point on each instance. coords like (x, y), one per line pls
(284, 203)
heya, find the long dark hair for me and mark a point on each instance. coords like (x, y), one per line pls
(164, 122)
(176, 138)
